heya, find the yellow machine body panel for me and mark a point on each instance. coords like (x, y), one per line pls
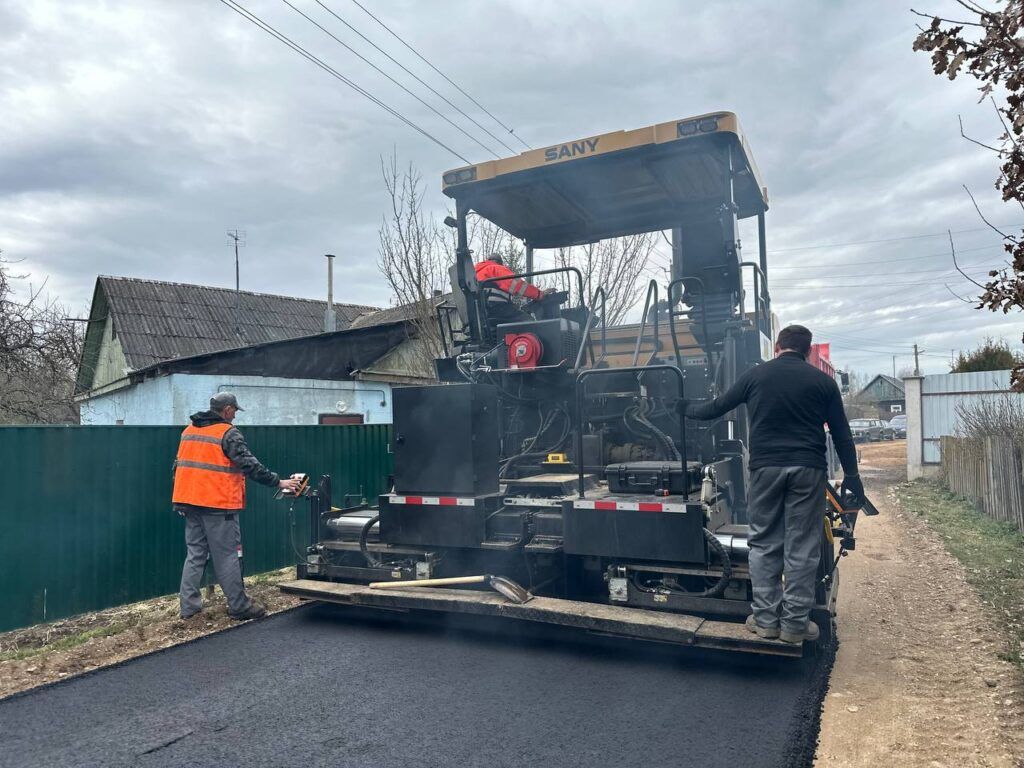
(616, 183)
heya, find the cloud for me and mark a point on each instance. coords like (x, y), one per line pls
(136, 135)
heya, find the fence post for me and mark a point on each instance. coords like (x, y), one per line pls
(915, 427)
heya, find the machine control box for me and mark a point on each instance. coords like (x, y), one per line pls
(446, 440)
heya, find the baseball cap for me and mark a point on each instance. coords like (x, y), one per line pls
(223, 399)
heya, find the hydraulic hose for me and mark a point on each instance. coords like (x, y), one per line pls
(718, 587)
(372, 561)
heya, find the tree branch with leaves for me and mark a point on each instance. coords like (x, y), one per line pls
(988, 46)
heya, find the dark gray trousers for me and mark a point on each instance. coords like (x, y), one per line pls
(786, 519)
(217, 538)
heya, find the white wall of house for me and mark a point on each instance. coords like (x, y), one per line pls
(111, 364)
(267, 400)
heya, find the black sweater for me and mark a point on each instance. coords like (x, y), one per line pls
(788, 403)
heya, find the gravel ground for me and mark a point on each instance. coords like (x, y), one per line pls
(321, 686)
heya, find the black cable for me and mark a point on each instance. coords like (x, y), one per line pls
(719, 587)
(389, 77)
(415, 77)
(253, 18)
(300, 557)
(372, 561)
(442, 74)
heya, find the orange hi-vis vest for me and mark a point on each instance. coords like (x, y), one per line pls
(204, 476)
(487, 269)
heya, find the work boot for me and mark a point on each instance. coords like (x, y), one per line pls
(256, 610)
(189, 616)
(810, 634)
(768, 633)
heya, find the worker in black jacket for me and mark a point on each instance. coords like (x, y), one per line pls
(788, 403)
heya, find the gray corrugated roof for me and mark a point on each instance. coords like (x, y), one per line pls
(157, 321)
(395, 314)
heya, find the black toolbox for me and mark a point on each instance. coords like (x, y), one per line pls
(657, 478)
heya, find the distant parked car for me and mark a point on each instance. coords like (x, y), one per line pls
(898, 424)
(871, 430)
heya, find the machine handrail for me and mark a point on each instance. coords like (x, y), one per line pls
(637, 369)
(520, 275)
(444, 313)
(760, 296)
(652, 287)
(681, 281)
(585, 340)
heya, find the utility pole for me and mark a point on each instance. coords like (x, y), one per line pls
(236, 237)
(917, 366)
(894, 366)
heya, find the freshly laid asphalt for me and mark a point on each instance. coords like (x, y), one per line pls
(323, 686)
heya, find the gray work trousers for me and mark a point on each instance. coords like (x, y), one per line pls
(217, 538)
(786, 518)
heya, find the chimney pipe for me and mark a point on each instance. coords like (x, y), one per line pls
(330, 319)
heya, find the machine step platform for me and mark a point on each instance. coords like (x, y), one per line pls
(680, 629)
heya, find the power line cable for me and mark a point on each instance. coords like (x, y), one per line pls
(442, 74)
(886, 240)
(801, 286)
(416, 77)
(886, 261)
(251, 17)
(429, 106)
(799, 278)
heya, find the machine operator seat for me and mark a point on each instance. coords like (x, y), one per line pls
(469, 303)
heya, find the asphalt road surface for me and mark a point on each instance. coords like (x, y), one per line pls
(322, 686)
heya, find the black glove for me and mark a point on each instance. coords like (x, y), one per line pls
(681, 405)
(853, 485)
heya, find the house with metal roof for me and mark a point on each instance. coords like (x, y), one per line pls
(886, 394)
(155, 352)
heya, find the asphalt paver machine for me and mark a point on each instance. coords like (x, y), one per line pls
(579, 482)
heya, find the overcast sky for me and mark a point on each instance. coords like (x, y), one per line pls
(135, 133)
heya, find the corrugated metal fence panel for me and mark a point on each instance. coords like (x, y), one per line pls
(941, 395)
(87, 520)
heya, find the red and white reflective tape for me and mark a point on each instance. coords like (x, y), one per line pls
(433, 501)
(630, 506)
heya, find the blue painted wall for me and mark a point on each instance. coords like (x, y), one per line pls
(266, 400)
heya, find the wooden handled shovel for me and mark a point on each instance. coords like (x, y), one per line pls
(505, 587)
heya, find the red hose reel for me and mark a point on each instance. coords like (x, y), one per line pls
(524, 350)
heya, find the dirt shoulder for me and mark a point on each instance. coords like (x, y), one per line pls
(919, 679)
(47, 652)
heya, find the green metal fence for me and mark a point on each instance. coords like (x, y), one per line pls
(86, 520)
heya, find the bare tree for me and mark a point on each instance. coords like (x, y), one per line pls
(617, 265)
(486, 238)
(40, 347)
(992, 417)
(413, 259)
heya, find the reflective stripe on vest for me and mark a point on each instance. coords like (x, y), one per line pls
(204, 476)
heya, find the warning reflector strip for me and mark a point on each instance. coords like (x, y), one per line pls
(631, 506)
(433, 501)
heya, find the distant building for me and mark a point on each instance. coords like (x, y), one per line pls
(885, 394)
(154, 353)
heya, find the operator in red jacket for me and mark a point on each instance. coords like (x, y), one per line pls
(500, 308)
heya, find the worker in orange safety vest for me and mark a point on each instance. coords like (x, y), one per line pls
(499, 293)
(209, 492)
